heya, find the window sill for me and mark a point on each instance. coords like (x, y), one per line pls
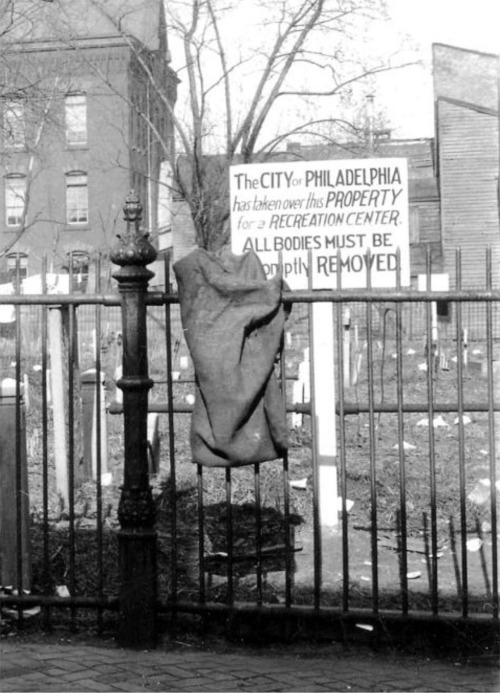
(77, 227)
(77, 147)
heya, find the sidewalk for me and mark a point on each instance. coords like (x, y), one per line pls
(50, 664)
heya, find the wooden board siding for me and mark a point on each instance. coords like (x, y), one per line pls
(468, 173)
(465, 75)
(429, 221)
(429, 239)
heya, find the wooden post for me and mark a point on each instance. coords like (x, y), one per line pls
(93, 383)
(68, 437)
(324, 411)
(58, 404)
(346, 321)
(137, 536)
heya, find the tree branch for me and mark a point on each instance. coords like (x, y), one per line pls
(317, 8)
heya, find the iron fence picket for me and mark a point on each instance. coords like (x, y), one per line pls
(229, 538)
(45, 454)
(201, 538)
(288, 544)
(18, 462)
(430, 371)
(494, 437)
(401, 523)
(258, 534)
(464, 582)
(372, 463)
(171, 444)
(98, 448)
(342, 454)
(317, 545)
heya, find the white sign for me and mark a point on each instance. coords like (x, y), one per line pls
(348, 215)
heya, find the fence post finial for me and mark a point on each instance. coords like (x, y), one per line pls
(134, 247)
(136, 512)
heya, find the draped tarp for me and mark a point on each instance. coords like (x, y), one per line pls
(233, 322)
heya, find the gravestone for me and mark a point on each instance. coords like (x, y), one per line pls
(10, 458)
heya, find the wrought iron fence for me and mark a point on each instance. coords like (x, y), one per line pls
(417, 443)
(417, 420)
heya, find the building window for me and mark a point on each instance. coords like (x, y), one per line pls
(17, 268)
(77, 203)
(14, 125)
(15, 196)
(75, 116)
(78, 267)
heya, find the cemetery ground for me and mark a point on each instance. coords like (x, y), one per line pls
(358, 442)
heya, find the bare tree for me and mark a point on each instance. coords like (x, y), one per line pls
(32, 115)
(253, 74)
(43, 118)
(243, 101)
(26, 108)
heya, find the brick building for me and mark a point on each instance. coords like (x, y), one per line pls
(81, 124)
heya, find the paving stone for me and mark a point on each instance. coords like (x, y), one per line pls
(91, 685)
(49, 667)
(55, 671)
(163, 677)
(35, 676)
(133, 686)
(71, 665)
(308, 688)
(222, 686)
(12, 672)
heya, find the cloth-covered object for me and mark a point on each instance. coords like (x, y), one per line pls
(233, 323)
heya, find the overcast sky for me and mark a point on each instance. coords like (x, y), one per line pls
(472, 24)
(404, 96)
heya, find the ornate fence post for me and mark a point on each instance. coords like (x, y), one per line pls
(137, 536)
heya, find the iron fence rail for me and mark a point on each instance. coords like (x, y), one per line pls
(344, 408)
(191, 565)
